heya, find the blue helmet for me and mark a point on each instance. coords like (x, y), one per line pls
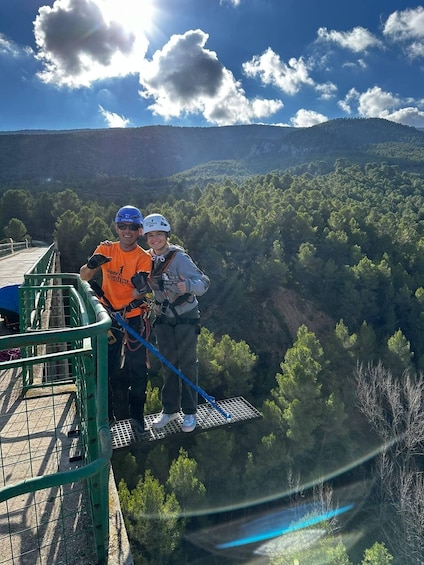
(129, 214)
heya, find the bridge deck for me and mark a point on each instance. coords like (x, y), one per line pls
(13, 267)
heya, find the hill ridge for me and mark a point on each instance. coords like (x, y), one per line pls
(161, 151)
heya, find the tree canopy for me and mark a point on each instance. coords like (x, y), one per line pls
(313, 273)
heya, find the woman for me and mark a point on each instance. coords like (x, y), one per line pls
(176, 282)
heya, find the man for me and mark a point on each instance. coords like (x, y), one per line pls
(119, 262)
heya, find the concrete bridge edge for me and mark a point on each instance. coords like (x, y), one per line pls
(119, 552)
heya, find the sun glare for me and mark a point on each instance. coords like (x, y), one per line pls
(134, 15)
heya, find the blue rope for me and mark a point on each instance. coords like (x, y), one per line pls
(153, 349)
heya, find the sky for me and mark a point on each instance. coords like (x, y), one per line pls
(92, 64)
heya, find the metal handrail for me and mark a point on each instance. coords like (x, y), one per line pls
(87, 354)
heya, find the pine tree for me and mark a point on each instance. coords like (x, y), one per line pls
(152, 519)
(184, 483)
(298, 393)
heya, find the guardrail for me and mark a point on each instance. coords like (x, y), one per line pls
(63, 346)
(13, 246)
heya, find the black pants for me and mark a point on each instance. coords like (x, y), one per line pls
(178, 344)
(127, 386)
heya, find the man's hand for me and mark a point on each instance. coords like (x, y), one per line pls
(97, 260)
(139, 280)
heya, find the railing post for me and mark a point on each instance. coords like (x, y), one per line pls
(11, 244)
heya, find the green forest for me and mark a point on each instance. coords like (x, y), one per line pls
(315, 316)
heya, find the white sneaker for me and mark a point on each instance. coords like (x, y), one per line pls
(189, 423)
(164, 419)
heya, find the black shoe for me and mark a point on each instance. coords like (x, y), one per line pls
(138, 425)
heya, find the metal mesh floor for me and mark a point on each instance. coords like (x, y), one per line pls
(125, 432)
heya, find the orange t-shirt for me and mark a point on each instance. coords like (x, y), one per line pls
(117, 274)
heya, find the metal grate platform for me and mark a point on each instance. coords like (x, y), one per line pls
(125, 432)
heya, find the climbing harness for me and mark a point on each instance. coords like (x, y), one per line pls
(127, 343)
(115, 315)
(160, 276)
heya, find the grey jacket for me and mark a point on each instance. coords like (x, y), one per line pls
(164, 282)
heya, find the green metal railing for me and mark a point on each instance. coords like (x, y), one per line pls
(63, 343)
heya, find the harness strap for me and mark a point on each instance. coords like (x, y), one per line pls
(100, 293)
(135, 304)
(172, 305)
(161, 267)
(126, 342)
(158, 269)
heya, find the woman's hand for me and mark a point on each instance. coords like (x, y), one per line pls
(182, 285)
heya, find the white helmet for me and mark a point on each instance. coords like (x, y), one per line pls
(155, 222)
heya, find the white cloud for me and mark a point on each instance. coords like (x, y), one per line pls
(78, 44)
(327, 90)
(373, 103)
(408, 117)
(273, 71)
(184, 78)
(376, 103)
(9, 48)
(416, 49)
(289, 78)
(407, 27)
(355, 64)
(357, 40)
(234, 3)
(406, 24)
(113, 120)
(307, 118)
(346, 104)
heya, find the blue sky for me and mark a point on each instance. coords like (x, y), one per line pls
(72, 64)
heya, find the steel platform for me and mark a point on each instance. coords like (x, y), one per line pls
(126, 432)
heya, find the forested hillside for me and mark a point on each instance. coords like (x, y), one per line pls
(155, 152)
(349, 242)
(315, 315)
